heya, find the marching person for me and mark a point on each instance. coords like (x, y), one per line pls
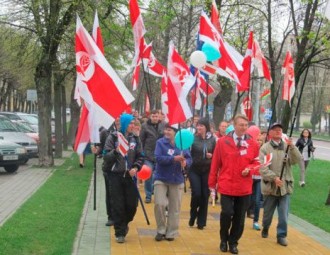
(201, 153)
(151, 131)
(169, 184)
(234, 155)
(277, 191)
(124, 196)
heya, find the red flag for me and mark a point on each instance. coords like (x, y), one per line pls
(108, 95)
(245, 75)
(260, 62)
(288, 81)
(123, 145)
(204, 87)
(247, 107)
(150, 63)
(179, 83)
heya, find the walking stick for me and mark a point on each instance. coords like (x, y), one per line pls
(95, 158)
(182, 168)
(141, 202)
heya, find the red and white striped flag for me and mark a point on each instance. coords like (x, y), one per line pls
(267, 160)
(179, 82)
(260, 62)
(123, 145)
(215, 17)
(105, 91)
(150, 63)
(245, 75)
(88, 131)
(138, 33)
(247, 107)
(288, 81)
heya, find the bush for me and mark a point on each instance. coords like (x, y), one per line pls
(307, 124)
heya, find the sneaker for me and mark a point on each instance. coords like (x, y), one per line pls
(120, 239)
(159, 237)
(264, 233)
(302, 184)
(282, 241)
(256, 226)
(169, 239)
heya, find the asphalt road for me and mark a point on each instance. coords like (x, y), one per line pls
(322, 150)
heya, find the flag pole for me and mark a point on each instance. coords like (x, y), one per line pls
(94, 205)
(182, 168)
(271, 121)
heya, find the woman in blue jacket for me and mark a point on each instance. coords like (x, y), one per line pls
(168, 184)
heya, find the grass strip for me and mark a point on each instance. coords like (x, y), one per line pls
(308, 202)
(47, 223)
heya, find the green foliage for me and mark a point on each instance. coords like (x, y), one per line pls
(308, 203)
(307, 124)
(48, 222)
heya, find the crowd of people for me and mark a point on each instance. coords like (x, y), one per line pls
(228, 162)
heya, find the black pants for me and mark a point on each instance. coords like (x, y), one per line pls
(107, 195)
(232, 217)
(124, 201)
(199, 196)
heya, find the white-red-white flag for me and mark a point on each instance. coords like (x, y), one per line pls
(123, 145)
(96, 34)
(150, 63)
(245, 75)
(179, 83)
(289, 80)
(230, 61)
(82, 136)
(246, 107)
(204, 87)
(260, 62)
(105, 91)
(139, 43)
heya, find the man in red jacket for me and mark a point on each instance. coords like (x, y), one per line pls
(234, 158)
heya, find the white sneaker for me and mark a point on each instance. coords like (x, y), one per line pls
(301, 184)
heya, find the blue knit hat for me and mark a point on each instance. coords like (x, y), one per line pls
(125, 120)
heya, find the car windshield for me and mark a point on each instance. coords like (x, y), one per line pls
(7, 126)
(24, 127)
(11, 116)
(30, 118)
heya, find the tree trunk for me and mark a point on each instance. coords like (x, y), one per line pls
(64, 128)
(328, 199)
(221, 100)
(57, 110)
(43, 77)
(75, 115)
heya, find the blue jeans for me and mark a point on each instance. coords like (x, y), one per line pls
(256, 196)
(148, 184)
(282, 203)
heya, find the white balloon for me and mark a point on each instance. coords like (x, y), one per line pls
(198, 59)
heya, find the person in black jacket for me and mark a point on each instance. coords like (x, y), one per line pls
(124, 196)
(201, 153)
(151, 131)
(306, 148)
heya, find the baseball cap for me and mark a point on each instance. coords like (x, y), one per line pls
(275, 124)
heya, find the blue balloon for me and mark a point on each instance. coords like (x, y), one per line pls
(211, 53)
(183, 139)
(229, 129)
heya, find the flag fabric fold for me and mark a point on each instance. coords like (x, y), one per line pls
(260, 62)
(247, 107)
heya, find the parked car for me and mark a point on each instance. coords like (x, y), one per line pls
(12, 155)
(9, 132)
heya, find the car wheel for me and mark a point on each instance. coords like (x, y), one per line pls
(11, 168)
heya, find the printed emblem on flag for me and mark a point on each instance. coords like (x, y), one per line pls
(132, 146)
(170, 152)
